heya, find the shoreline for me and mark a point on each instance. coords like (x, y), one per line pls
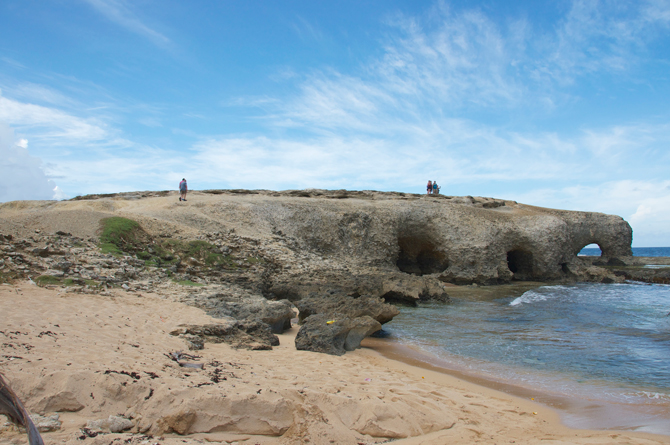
(553, 427)
(281, 396)
(594, 411)
(572, 413)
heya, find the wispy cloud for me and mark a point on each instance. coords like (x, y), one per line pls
(50, 123)
(462, 62)
(36, 93)
(13, 63)
(657, 11)
(306, 30)
(119, 12)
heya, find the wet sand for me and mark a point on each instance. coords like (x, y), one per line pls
(573, 412)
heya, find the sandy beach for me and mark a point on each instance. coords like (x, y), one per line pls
(87, 357)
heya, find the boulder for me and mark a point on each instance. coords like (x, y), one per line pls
(277, 314)
(615, 262)
(45, 424)
(349, 307)
(179, 422)
(249, 334)
(334, 334)
(112, 424)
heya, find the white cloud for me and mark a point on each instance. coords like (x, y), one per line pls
(22, 174)
(645, 204)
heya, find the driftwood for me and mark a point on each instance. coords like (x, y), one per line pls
(11, 406)
(178, 356)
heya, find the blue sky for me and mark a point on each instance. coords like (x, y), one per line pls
(561, 104)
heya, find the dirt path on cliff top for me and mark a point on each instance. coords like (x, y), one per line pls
(158, 215)
(248, 213)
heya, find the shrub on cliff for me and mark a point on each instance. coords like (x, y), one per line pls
(119, 235)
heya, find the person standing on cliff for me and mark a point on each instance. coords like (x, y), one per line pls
(183, 188)
(436, 188)
(429, 188)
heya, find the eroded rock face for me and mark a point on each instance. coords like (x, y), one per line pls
(460, 240)
(295, 244)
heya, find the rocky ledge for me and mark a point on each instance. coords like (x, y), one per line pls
(339, 256)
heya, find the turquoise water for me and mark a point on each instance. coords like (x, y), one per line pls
(637, 251)
(606, 344)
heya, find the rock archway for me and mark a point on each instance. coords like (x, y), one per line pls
(420, 256)
(592, 245)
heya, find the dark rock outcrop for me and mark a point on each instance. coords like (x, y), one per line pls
(391, 286)
(334, 334)
(254, 335)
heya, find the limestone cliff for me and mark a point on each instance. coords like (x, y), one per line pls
(398, 246)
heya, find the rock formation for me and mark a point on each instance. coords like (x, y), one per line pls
(457, 240)
(348, 307)
(231, 251)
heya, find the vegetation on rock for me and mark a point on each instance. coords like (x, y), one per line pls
(119, 235)
(124, 236)
(46, 280)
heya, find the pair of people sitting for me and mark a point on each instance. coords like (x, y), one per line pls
(433, 188)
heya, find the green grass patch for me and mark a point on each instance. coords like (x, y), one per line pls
(119, 231)
(144, 255)
(120, 235)
(167, 251)
(123, 236)
(255, 260)
(45, 280)
(8, 277)
(110, 248)
(188, 283)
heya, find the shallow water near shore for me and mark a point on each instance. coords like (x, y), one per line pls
(599, 352)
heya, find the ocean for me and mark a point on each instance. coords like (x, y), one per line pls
(600, 353)
(637, 251)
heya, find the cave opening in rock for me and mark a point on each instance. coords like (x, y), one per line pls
(420, 256)
(520, 262)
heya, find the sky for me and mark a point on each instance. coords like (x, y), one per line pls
(562, 104)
